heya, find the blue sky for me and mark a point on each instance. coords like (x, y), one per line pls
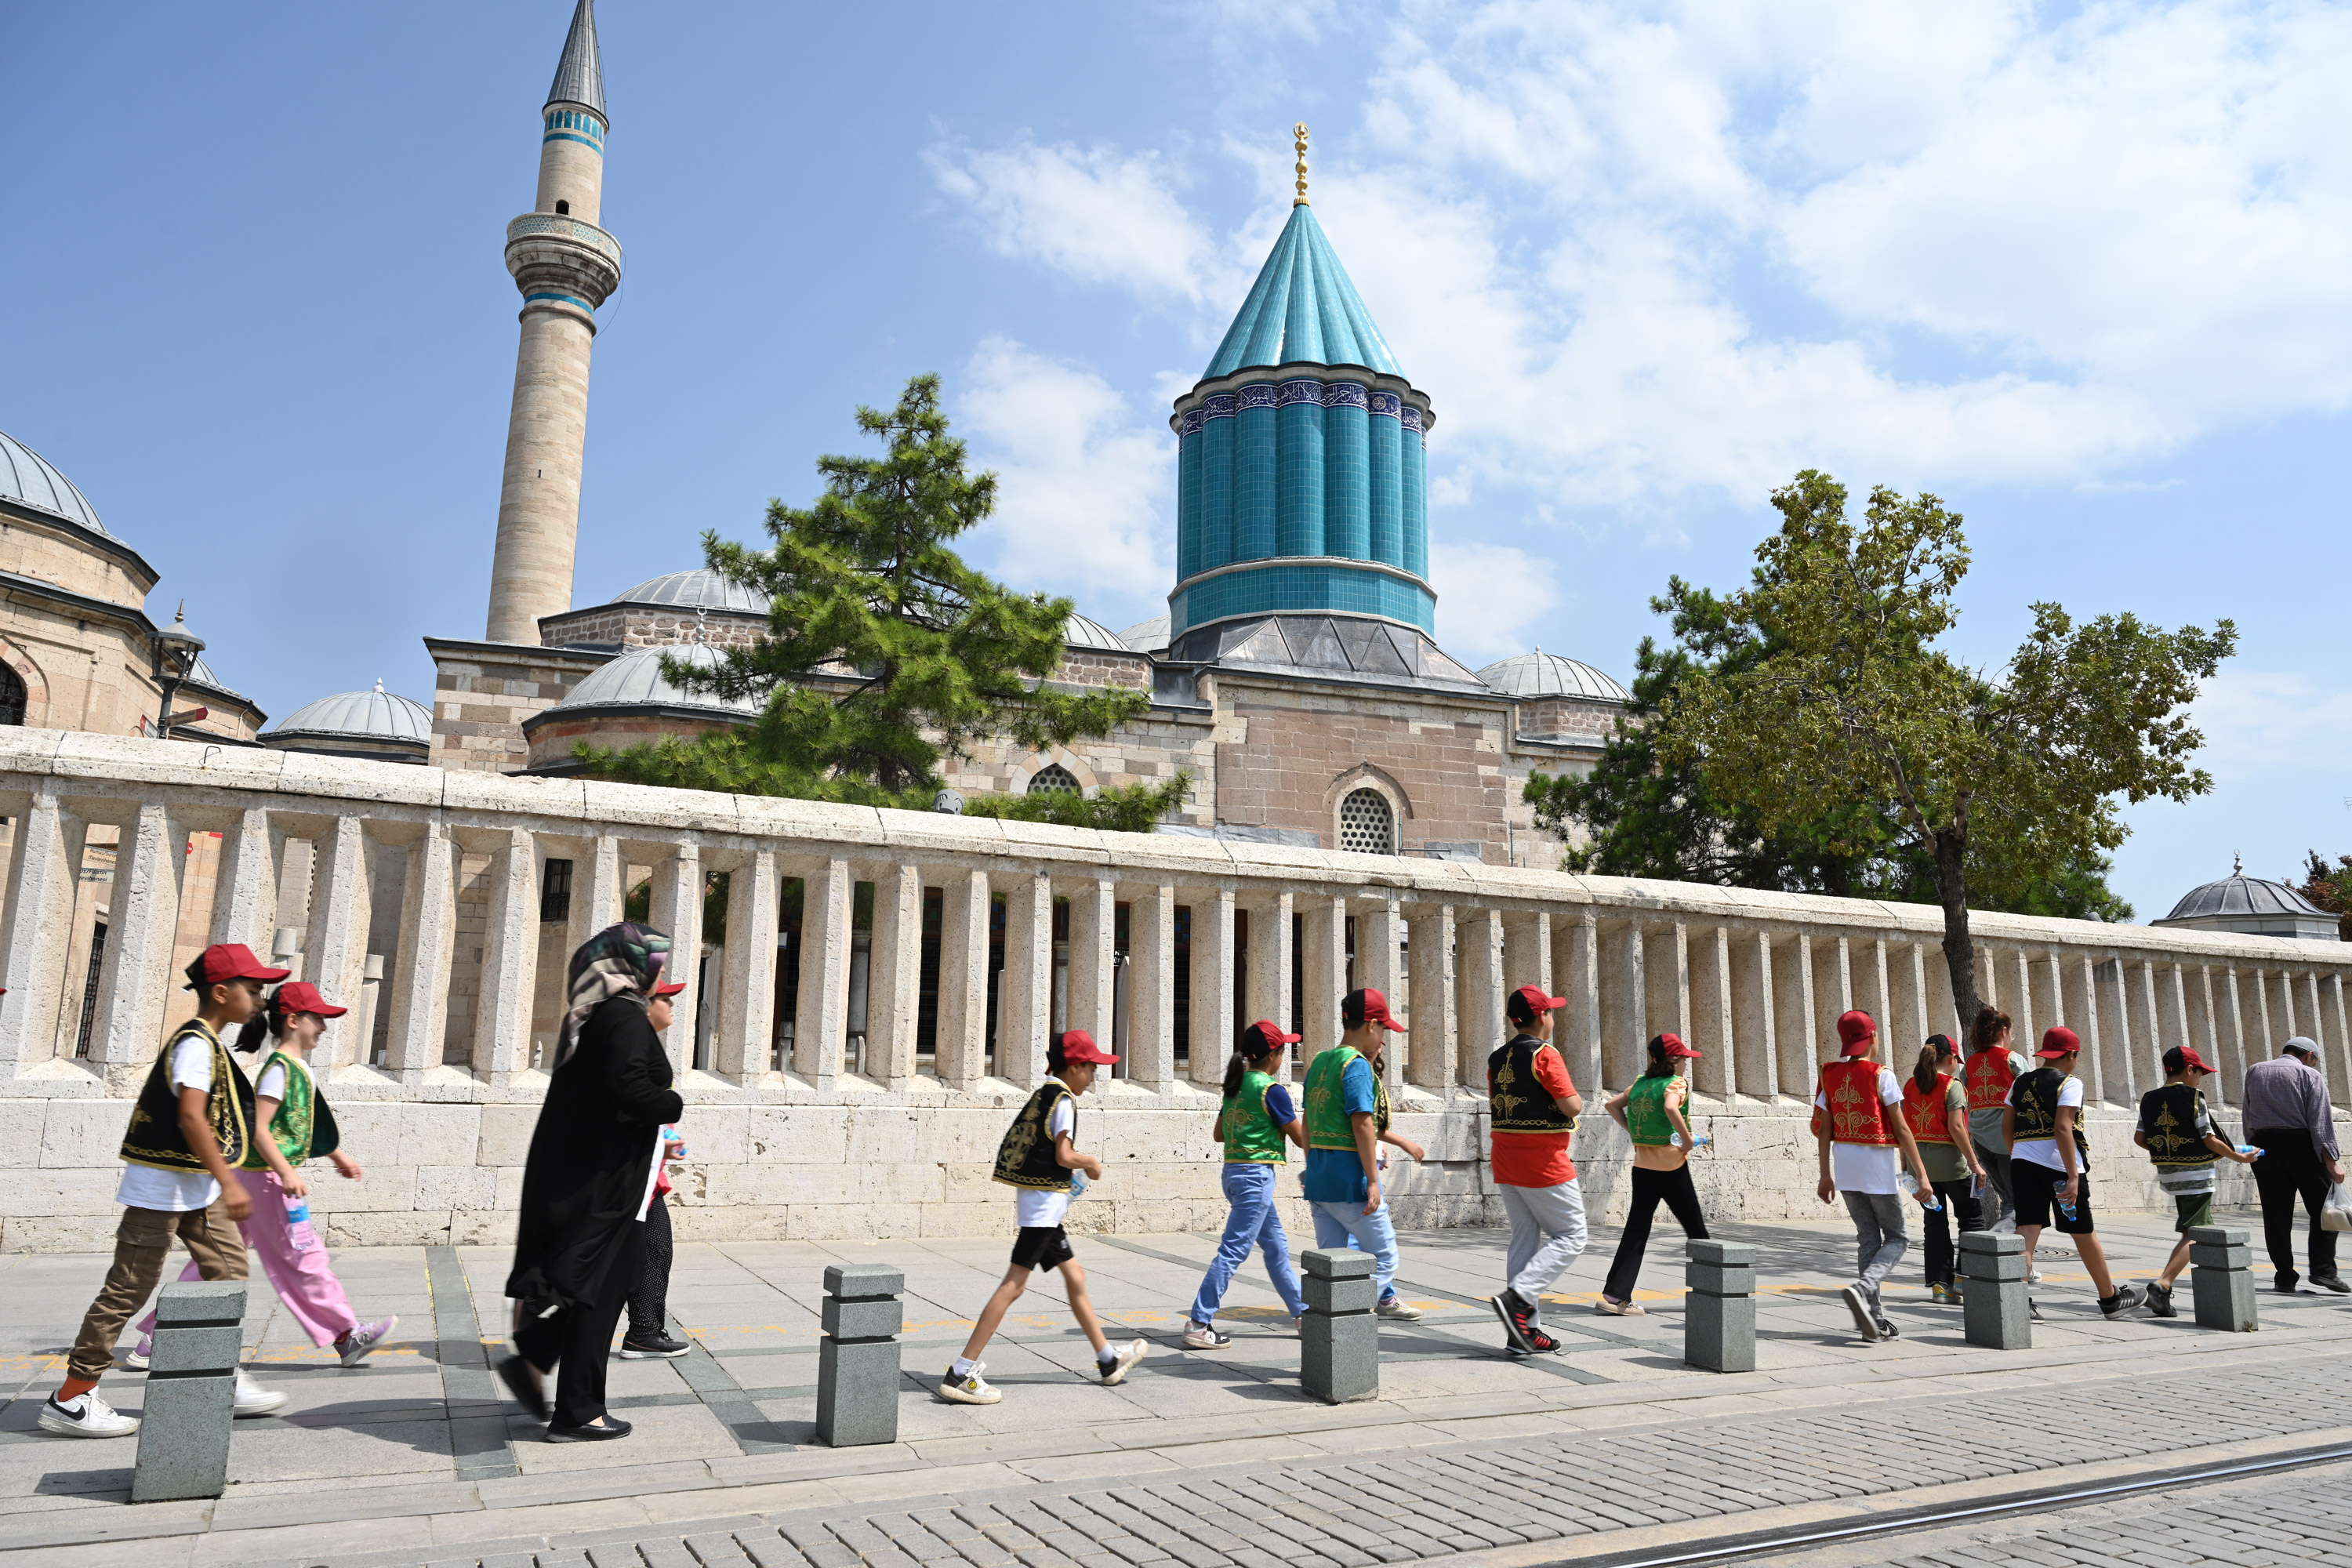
(2084, 271)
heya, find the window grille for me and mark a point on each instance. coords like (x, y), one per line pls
(1054, 779)
(1366, 825)
(13, 698)
(89, 989)
(555, 892)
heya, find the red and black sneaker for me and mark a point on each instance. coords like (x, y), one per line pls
(1520, 1334)
(1544, 1343)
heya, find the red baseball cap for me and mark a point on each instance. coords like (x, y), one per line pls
(669, 988)
(1857, 1032)
(1274, 1037)
(302, 996)
(2058, 1040)
(1532, 999)
(1672, 1045)
(229, 960)
(1078, 1046)
(1373, 1005)
(2190, 1059)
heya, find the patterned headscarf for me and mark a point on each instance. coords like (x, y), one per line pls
(625, 960)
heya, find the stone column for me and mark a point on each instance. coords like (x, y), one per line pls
(1269, 960)
(742, 1046)
(1324, 973)
(2080, 1008)
(1478, 954)
(1624, 1004)
(1907, 1002)
(1212, 983)
(1152, 983)
(596, 891)
(962, 1031)
(143, 918)
(1526, 952)
(1094, 959)
(334, 952)
(2230, 1029)
(510, 957)
(35, 929)
(1429, 1061)
(1753, 1015)
(1580, 979)
(674, 904)
(1380, 930)
(2119, 1043)
(2203, 1018)
(1800, 1014)
(820, 1012)
(894, 976)
(1025, 989)
(417, 1034)
(1669, 999)
(245, 894)
(2025, 1022)
(2147, 1004)
(1710, 1003)
(2339, 1043)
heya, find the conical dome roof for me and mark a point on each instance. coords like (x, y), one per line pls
(1303, 310)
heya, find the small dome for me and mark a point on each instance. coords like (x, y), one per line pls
(378, 715)
(1146, 636)
(635, 681)
(1541, 674)
(689, 589)
(2240, 894)
(202, 674)
(1082, 633)
(28, 478)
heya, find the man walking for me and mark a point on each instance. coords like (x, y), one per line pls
(1534, 1111)
(1864, 1149)
(2289, 1118)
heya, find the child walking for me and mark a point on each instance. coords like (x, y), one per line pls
(1535, 1107)
(1650, 1113)
(1036, 1158)
(291, 1124)
(1864, 1147)
(191, 1124)
(2050, 1161)
(2181, 1136)
(1258, 1121)
(1934, 1106)
(1992, 1067)
(1348, 1117)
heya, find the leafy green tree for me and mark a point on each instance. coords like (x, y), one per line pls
(884, 652)
(2013, 778)
(1126, 808)
(2329, 888)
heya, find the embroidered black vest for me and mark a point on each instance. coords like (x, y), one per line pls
(154, 1137)
(1026, 1157)
(2171, 1115)
(2035, 1097)
(1520, 1101)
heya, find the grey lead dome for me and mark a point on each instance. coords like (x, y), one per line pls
(704, 589)
(1541, 674)
(635, 681)
(378, 715)
(32, 479)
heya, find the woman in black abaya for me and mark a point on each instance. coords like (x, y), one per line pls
(586, 1184)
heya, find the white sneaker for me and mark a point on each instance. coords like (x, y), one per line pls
(1396, 1308)
(356, 1344)
(1113, 1372)
(2034, 1277)
(137, 1359)
(252, 1399)
(1204, 1337)
(85, 1415)
(969, 1389)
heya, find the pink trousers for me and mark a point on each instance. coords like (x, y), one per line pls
(296, 1263)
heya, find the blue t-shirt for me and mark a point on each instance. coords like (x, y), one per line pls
(1278, 1105)
(1337, 1176)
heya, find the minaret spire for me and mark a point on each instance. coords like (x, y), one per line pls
(1298, 130)
(580, 74)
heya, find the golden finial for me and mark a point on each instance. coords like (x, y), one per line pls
(1299, 130)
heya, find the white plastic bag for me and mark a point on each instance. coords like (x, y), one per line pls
(2337, 1215)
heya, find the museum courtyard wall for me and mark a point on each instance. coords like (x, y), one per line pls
(852, 1048)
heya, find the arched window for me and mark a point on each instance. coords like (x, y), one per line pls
(1366, 824)
(13, 699)
(1054, 779)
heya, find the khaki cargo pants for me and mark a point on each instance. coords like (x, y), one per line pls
(141, 1243)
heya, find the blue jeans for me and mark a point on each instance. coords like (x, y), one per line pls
(1346, 1225)
(1249, 1187)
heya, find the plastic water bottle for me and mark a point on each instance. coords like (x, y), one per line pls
(1933, 1203)
(1675, 1141)
(2250, 1149)
(298, 1224)
(297, 1211)
(2063, 1206)
(1077, 1183)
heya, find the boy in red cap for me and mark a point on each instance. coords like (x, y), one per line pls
(1535, 1109)
(192, 1123)
(2049, 1159)
(1255, 1123)
(1036, 1158)
(1347, 1121)
(2181, 1136)
(1866, 1146)
(1650, 1113)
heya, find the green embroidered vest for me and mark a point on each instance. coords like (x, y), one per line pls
(154, 1137)
(1645, 1111)
(2171, 1115)
(304, 1128)
(1329, 1125)
(1026, 1157)
(1520, 1102)
(1251, 1135)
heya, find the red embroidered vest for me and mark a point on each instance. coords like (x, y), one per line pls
(1856, 1113)
(1928, 1113)
(1989, 1075)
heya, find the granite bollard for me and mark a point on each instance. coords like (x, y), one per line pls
(1719, 1313)
(191, 1391)
(857, 1360)
(2220, 1274)
(1993, 1306)
(1340, 1345)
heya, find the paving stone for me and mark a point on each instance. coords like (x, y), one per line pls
(716, 1550)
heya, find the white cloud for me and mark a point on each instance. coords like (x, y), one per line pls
(1083, 490)
(1099, 215)
(2259, 724)
(1492, 599)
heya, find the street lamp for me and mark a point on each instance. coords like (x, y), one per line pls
(176, 648)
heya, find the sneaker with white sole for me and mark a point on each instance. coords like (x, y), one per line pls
(85, 1415)
(1397, 1309)
(355, 1346)
(1115, 1371)
(2125, 1299)
(1204, 1337)
(1865, 1321)
(969, 1389)
(137, 1359)
(1609, 1309)
(252, 1399)
(1886, 1329)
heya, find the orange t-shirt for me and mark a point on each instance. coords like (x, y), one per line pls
(1537, 1159)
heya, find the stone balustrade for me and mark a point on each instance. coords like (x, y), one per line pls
(852, 1048)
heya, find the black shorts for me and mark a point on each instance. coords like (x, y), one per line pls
(1041, 1247)
(2036, 1187)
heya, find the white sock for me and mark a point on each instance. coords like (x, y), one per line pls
(963, 1364)
(1106, 1355)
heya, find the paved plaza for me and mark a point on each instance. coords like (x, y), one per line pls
(1612, 1450)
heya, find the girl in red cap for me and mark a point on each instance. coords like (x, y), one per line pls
(291, 1124)
(1259, 1120)
(1650, 1113)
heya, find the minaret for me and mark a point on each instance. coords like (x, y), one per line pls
(565, 267)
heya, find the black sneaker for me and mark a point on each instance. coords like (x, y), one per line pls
(1865, 1321)
(652, 1347)
(2159, 1301)
(2124, 1299)
(1518, 1322)
(2283, 1284)
(2033, 1309)
(1886, 1329)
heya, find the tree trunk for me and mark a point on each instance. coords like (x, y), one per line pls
(1959, 948)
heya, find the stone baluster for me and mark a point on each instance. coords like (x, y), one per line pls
(1711, 1012)
(1323, 974)
(821, 1013)
(1269, 959)
(894, 976)
(1526, 952)
(1212, 983)
(2078, 1011)
(1026, 988)
(334, 952)
(962, 1058)
(2265, 1036)
(742, 1046)
(1429, 1060)
(245, 890)
(1753, 1015)
(1094, 962)
(2025, 1025)
(2340, 1041)
(1800, 1021)
(596, 890)
(1483, 983)
(2280, 984)
(1624, 1003)
(2119, 1042)
(2229, 1034)
(36, 927)
(502, 1012)
(1152, 984)
(426, 954)
(1833, 989)
(1908, 1002)
(143, 920)
(674, 904)
(1874, 997)
(2148, 1002)
(1379, 939)
(1578, 973)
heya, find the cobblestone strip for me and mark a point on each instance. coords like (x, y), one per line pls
(1438, 1501)
(469, 1389)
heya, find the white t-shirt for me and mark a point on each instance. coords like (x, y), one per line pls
(175, 1192)
(2044, 1151)
(1869, 1167)
(272, 1085)
(1036, 1208)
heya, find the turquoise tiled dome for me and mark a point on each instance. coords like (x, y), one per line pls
(1303, 310)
